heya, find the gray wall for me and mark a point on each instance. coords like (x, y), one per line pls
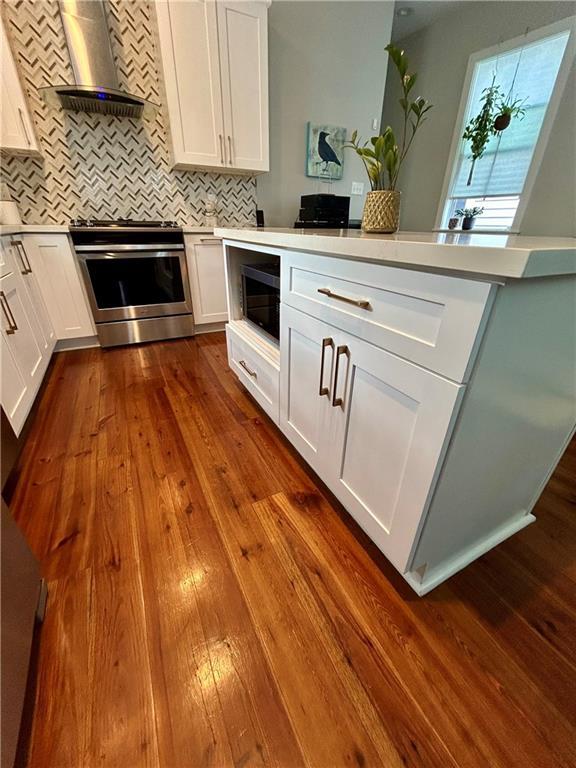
(439, 53)
(327, 65)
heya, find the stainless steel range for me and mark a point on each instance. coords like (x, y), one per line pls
(136, 278)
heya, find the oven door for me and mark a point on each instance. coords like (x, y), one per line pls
(129, 283)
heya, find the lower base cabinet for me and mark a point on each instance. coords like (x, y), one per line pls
(205, 261)
(256, 370)
(25, 356)
(53, 261)
(373, 426)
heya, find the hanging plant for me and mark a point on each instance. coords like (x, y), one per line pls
(507, 109)
(481, 127)
(494, 117)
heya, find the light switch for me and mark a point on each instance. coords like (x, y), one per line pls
(357, 188)
(374, 123)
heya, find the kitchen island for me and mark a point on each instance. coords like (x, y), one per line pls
(428, 379)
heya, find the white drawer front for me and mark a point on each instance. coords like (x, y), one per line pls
(258, 374)
(431, 320)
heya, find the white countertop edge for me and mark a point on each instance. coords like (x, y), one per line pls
(515, 257)
(30, 229)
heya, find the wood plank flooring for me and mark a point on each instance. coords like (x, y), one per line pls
(211, 605)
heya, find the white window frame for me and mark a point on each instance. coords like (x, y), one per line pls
(567, 24)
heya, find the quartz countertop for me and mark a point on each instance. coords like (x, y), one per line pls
(496, 256)
(39, 229)
(30, 229)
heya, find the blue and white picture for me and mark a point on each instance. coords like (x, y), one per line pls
(325, 153)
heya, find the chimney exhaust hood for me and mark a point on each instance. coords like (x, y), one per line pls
(96, 87)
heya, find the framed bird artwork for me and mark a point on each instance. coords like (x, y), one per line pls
(325, 151)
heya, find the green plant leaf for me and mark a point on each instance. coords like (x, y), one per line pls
(409, 82)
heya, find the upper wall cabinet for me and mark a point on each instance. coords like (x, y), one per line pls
(215, 62)
(16, 128)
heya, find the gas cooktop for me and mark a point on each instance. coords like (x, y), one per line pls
(123, 223)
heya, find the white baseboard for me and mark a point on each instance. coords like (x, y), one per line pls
(85, 342)
(435, 576)
(209, 328)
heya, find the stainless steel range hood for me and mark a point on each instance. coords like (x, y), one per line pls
(96, 87)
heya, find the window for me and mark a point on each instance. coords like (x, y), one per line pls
(533, 68)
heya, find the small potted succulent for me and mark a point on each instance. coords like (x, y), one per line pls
(383, 155)
(468, 216)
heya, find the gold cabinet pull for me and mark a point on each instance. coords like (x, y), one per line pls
(230, 148)
(341, 350)
(222, 158)
(362, 303)
(12, 327)
(322, 390)
(248, 371)
(21, 251)
(211, 240)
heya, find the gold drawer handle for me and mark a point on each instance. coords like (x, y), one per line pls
(341, 350)
(12, 327)
(362, 303)
(21, 251)
(248, 371)
(322, 390)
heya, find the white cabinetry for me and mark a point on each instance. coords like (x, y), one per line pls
(243, 44)
(372, 425)
(215, 63)
(53, 261)
(25, 351)
(16, 127)
(256, 363)
(32, 286)
(205, 260)
(434, 407)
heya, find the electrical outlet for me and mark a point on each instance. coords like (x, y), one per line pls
(357, 188)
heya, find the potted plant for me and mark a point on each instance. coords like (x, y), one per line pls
(494, 117)
(507, 109)
(469, 214)
(383, 156)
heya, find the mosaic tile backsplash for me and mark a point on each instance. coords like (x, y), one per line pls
(99, 165)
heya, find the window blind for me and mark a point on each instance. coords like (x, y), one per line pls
(503, 168)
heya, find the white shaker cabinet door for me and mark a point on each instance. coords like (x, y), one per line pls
(7, 261)
(16, 129)
(32, 286)
(391, 422)
(23, 359)
(243, 38)
(16, 393)
(53, 261)
(306, 363)
(189, 53)
(207, 281)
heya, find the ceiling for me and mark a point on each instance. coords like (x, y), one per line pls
(424, 13)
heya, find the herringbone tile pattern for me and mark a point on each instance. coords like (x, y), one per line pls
(95, 165)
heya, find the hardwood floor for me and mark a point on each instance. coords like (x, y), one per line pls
(211, 605)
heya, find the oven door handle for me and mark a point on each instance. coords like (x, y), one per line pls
(124, 247)
(111, 255)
